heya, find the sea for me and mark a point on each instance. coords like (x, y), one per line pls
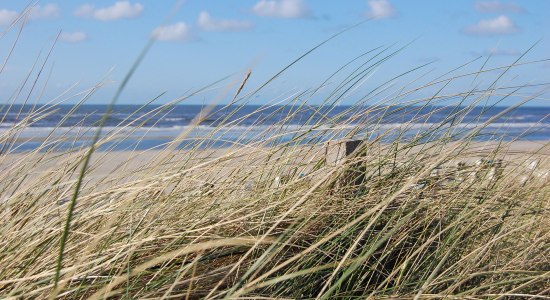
(135, 127)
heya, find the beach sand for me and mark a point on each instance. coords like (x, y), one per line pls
(123, 166)
(130, 161)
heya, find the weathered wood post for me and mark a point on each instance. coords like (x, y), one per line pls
(351, 179)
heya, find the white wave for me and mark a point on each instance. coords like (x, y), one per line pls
(37, 132)
(173, 119)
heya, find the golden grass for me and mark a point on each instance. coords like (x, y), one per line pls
(214, 223)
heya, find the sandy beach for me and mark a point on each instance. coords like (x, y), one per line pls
(118, 167)
(129, 161)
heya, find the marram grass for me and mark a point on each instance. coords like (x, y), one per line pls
(213, 223)
(434, 215)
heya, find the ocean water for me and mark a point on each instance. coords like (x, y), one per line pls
(24, 128)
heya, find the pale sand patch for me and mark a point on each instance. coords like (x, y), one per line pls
(124, 166)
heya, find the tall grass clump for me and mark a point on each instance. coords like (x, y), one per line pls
(422, 209)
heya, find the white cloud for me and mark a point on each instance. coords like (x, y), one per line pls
(73, 37)
(86, 10)
(499, 25)
(380, 9)
(175, 32)
(47, 11)
(206, 22)
(119, 10)
(287, 9)
(497, 7)
(7, 17)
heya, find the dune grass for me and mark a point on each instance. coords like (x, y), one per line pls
(265, 216)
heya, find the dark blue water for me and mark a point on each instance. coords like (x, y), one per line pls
(182, 115)
(66, 126)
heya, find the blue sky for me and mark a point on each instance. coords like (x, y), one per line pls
(203, 41)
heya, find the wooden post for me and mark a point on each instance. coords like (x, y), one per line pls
(353, 176)
(337, 151)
